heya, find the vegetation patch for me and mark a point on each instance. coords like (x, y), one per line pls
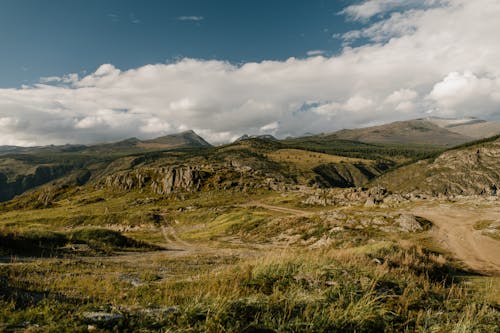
(107, 240)
(30, 242)
(489, 228)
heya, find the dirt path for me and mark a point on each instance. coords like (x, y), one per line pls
(454, 231)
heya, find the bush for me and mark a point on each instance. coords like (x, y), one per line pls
(32, 242)
(106, 240)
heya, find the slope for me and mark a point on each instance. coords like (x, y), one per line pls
(417, 131)
(470, 169)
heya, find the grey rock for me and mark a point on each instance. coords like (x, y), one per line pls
(102, 317)
(408, 223)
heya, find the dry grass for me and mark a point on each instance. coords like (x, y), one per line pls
(306, 160)
(361, 282)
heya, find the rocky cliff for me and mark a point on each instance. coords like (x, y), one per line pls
(162, 180)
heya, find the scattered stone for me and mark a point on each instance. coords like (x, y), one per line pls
(322, 242)
(102, 317)
(370, 202)
(408, 223)
(133, 280)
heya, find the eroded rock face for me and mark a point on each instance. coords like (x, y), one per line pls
(161, 180)
(459, 172)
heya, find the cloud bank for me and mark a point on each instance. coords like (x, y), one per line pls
(441, 59)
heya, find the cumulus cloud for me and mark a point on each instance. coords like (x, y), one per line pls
(190, 18)
(440, 59)
(367, 9)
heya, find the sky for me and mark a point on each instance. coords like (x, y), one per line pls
(88, 71)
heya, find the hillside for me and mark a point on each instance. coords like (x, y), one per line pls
(22, 169)
(335, 160)
(255, 236)
(187, 139)
(471, 127)
(417, 131)
(471, 169)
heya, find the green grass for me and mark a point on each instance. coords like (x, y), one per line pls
(45, 243)
(290, 291)
(363, 280)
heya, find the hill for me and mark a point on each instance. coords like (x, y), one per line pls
(471, 127)
(417, 131)
(187, 139)
(470, 169)
(24, 168)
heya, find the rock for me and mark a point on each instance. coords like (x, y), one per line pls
(322, 242)
(102, 317)
(370, 202)
(408, 223)
(163, 180)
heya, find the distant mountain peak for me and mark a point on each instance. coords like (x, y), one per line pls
(415, 131)
(188, 138)
(262, 137)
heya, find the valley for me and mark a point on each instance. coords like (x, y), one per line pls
(325, 233)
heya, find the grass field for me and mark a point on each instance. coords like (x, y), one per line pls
(211, 263)
(306, 160)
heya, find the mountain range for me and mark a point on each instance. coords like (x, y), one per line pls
(341, 159)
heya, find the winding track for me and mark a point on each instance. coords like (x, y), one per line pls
(454, 231)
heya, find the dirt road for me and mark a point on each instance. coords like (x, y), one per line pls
(454, 231)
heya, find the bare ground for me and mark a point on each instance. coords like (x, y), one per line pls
(454, 231)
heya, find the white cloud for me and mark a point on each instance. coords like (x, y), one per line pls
(271, 127)
(401, 95)
(467, 91)
(190, 18)
(313, 53)
(358, 103)
(155, 125)
(369, 8)
(441, 59)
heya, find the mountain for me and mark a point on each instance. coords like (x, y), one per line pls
(471, 127)
(187, 139)
(24, 168)
(263, 137)
(417, 131)
(470, 169)
(334, 160)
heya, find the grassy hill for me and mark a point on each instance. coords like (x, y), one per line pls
(469, 169)
(211, 239)
(417, 131)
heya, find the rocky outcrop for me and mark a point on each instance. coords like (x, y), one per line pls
(467, 171)
(408, 223)
(162, 180)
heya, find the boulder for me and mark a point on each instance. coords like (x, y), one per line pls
(408, 223)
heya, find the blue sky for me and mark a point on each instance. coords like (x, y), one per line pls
(85, 71)
(53, 37)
